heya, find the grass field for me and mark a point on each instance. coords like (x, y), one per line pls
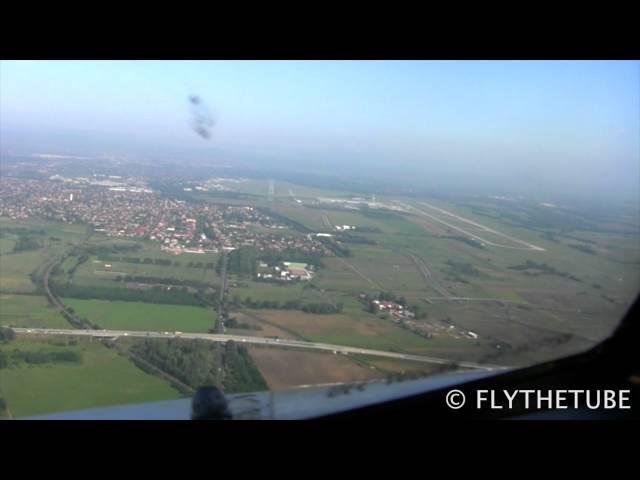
(113, 315)
(6, 244)
(29, 311)
(103, 378)
(16, 267)
(93, 272)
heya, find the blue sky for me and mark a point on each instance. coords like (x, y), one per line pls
(575, 120)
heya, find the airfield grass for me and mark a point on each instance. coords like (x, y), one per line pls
(29, 311)
(116, 315)
(103, 378)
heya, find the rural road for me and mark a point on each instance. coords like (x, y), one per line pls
(254, 340)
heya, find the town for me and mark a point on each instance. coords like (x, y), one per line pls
(127, 208)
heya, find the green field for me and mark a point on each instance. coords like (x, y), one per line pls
(29, 311)
(94, 272)
(103, 378)
(143, 316)
(16, 267)
(6, 244)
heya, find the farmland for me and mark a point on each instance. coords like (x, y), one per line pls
(115, 315)
(47, 388)
(287, 368)
(29, 311)
(510, 283)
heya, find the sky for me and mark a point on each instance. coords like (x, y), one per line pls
(557, 124)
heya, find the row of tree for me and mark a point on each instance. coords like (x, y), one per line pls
(337, 248)
(162, 281)
(156, 294)
(40, 357)
(26, 243)
(292, 304)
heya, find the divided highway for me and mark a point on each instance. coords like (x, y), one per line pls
(254, 340)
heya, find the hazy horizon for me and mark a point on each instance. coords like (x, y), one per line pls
(522, 126)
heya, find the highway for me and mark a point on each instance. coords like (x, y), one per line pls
(254, 340)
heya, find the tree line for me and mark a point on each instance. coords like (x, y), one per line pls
(293, 304)
(240, 372)
(15, 357)
(335, 247)
(156, 294)
(162, 281)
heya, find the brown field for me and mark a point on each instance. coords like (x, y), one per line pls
(289, 368)
(392, 365)
(267, 329)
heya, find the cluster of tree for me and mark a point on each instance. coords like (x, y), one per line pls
(335, 247)
(241, 261)
(26, 243)
(193, 362)
(542, 269)
(462, 268)
(322, 308)
(200, 265)
(356, 239)
(284, 220)
(240, 372)
(234, 323)
(203, 226)
(175, 296)
(7, 334)
(583, 248)
(466, 240)
(38, 357)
